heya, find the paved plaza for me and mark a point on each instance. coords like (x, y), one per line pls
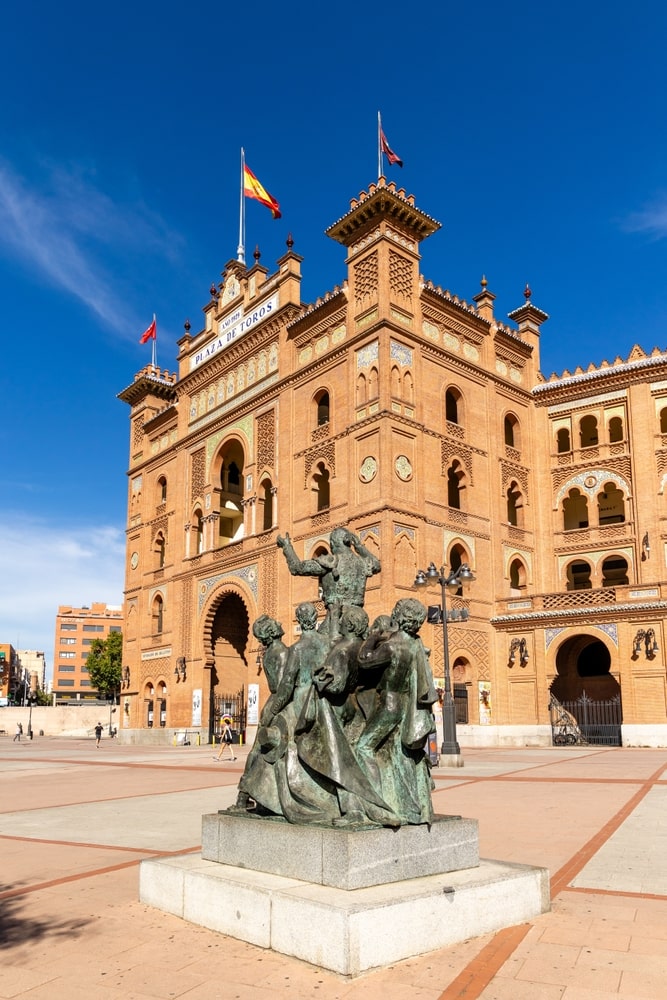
(75, 822)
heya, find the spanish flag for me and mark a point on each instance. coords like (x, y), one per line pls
(253, 189)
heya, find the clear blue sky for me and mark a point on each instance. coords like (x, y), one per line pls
(534, 133)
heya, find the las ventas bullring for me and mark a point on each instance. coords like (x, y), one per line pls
(422, 423)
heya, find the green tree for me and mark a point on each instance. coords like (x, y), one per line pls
(104, 664)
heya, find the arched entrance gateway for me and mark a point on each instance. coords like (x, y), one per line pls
(585, 698)
(229, 637)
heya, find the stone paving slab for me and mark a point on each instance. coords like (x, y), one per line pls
(168, 822)
(634, 859)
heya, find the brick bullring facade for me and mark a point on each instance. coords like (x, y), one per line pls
(422, 422)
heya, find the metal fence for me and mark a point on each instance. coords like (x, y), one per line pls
(586, 721)
(233, 706)
(461, 704)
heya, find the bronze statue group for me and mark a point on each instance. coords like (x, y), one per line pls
(343, 737)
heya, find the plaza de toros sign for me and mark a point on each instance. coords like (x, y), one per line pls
(232, 327)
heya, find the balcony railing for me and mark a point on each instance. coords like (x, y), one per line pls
(600, 535)
(593, 454)
(638, 594)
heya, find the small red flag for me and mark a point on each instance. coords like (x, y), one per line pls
(388, 151)
(149, 334)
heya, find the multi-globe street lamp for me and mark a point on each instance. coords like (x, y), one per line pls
(449, 580)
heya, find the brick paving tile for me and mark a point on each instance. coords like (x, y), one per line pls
(502, 990)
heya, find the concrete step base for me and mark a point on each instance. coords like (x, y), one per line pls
(345, 931)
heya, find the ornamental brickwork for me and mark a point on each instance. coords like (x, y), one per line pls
(422, 421)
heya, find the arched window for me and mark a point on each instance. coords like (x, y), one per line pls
(579, 576)
(361, 389)
(614, 571)
(162, 702)
(453, 406)
(588, 431)
(160, 549)
(230, 493)
(663, 420)
(149, 695)
(514, 504)
(162, 489)
(321, 481)
(323, 408)
(233, 478)
(408, 388)
(158, 615)
(611, 505)
(615, 430)
(455, 485)
(457, 556)
(563, 444)
(575, 511)
(511, 430)
(373, 383)
(395, 382)
(199, 532)
(517, 577)
(267, 514)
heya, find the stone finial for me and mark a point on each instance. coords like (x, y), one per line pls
(484, 301)
(289, 241)
(256, 254)
(528, 317)
(213, 290)
(186, 326)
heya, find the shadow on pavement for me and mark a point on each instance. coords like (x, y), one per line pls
(17, 928)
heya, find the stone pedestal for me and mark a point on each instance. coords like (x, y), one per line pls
(362, 899)
(343, 859)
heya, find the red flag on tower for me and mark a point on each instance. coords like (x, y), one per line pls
(388, 151)
(150, 333)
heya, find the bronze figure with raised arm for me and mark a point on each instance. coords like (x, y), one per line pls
(342, 573)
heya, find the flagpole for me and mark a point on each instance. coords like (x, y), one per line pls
(379, 147)
(240, 253)
(154, 346)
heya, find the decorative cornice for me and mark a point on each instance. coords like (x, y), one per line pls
(608, 372)
(329, 301)
(382, 201)
(150, 381)
(427, 287)
(602, 609)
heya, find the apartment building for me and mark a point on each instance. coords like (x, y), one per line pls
(76, 628)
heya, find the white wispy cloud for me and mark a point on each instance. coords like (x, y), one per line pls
(78, 238)
(44, 565)
(652, 219)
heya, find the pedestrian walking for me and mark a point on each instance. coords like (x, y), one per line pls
(226, 740)
(98, 734)
(19, 733)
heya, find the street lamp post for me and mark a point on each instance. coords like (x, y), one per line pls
(31, 699)
(112, 709)
(450, 750)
